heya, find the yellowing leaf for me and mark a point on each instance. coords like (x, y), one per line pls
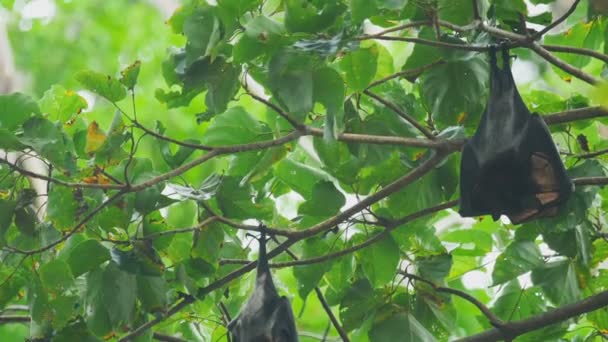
(461, 117)
(600, 95)
(95, 138)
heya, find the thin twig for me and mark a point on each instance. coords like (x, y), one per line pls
(557, 22)
(577, 51)
(167, 338)
(589, 155)
(406, 73)
(402, 114)
(277, 109)
(497, 322)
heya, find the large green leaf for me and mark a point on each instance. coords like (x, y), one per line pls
(103, 85)
(400, 327)
(202, 28)
(290, 77)
(311, 16)
(360, 67)
(519, 258)
(586, 35)
(56, 275)
(235, 126)
(15, 109)
(118, 292)
(454, 88)
(50, 141)
(309, 276)
(300, 177)
(380, 261)
(326, 200)
(61, 104)
(559, 281)
(86, 256)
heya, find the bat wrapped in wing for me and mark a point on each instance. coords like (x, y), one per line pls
(511, 165)
(266, 317)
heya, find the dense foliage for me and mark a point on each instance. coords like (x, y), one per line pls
(336, 123)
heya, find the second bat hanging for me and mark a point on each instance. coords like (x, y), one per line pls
(511, 165)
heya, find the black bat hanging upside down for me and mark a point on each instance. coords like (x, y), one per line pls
(511, 165)
(266, 317)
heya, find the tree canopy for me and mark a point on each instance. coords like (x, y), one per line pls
(162, 145)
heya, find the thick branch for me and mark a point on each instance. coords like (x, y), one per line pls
(523, 326)
(575, 115)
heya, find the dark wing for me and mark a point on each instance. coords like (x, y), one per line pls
(284, 323)
(550, 185)
(510, 166)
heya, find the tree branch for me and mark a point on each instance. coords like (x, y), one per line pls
(324, 303)
(520, 327)
(402, 114)
(557, 22)
(484, 309)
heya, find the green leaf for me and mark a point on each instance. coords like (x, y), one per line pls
(236, 201)
(515, 303)
(362, 9)
(454, 88)
(400, 327)
(25, 220)
(559, 281)
(61, 104)
(235, 126)
(7, 210)
(9, 142)
(118, 292)
(472, 242)
(509, 10)
(329, 91)
(202, 28)
(435, 268)
(63, 308)
(128, 75)
(291, 82)
(152, 293)
(380, 261)
(311, 16)
(582, 35)
(207, 244)
(325, 201)
(360, 67)
(358, 304)
(459, 12)
(519, 258)
(103, 85)
(50, 141)
(62, 206)
(309, 276)
(141, 259)
(56, 275)
(86, 256)
(97, 317)
(299, 177)
(15, 109)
